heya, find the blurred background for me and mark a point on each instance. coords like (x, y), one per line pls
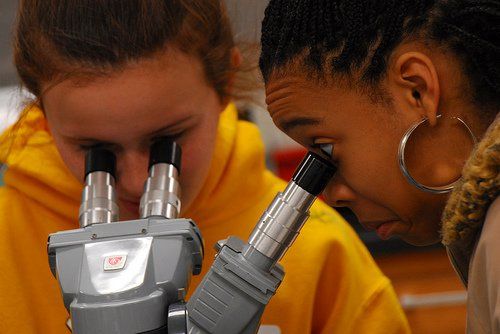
(432, 296)
(7, 14)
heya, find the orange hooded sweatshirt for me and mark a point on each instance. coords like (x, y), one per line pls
(332, 284)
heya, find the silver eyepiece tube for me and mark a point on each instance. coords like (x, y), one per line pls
(161, 192)
(281, 223)
(98, 204)
(161, 195)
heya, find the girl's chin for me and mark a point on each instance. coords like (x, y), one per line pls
(421, 240)
(128, 215)
(128, 211)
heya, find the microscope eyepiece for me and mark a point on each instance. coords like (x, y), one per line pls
(313, 173)
(281, 222)
(161, 195)
(98, 197)
(165, 150)
(99, 159)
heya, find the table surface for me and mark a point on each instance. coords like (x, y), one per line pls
(419, 273)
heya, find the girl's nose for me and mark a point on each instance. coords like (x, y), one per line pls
(132, 172)
(337, 193)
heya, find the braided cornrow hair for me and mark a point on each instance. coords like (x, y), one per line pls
(341, 37)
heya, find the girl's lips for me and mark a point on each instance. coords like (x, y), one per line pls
(386, 230)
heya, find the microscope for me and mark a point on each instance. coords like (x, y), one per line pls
(133, 276)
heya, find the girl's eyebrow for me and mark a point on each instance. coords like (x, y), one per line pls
(294, 123)
(164, 129)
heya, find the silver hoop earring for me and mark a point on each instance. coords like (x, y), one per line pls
(402, 163)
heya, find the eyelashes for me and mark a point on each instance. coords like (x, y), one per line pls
(87, 147)
(115, 147)
(327, 149)
(173, 137)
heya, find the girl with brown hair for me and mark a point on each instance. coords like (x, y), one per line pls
(119, 74)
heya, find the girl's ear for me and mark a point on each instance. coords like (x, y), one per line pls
(414, 76)
(236, 61)
(236, 58)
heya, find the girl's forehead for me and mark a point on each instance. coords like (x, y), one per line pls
(160, 65)
(136, 101)
(149, 84)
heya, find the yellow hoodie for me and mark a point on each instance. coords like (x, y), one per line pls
(332, 284)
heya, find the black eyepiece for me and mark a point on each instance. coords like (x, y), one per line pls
(313, 173)
(99, 159)
(165, 150)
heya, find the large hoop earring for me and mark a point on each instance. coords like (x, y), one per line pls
(402, 163)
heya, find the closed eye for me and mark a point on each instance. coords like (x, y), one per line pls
(173, 137)
(87, 146)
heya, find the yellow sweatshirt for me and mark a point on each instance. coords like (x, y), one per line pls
(332, 284)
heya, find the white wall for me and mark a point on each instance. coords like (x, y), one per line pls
(7, 14)
(11, 102)
(246, 18)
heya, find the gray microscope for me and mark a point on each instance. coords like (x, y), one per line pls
(132, 276)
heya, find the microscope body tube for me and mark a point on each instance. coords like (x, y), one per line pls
(161, 195)
(161, 192)
(244, 276)
(98, 199)
(281, 222)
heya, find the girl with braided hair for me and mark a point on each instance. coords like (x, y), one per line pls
(399, 95)
(119, 74)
